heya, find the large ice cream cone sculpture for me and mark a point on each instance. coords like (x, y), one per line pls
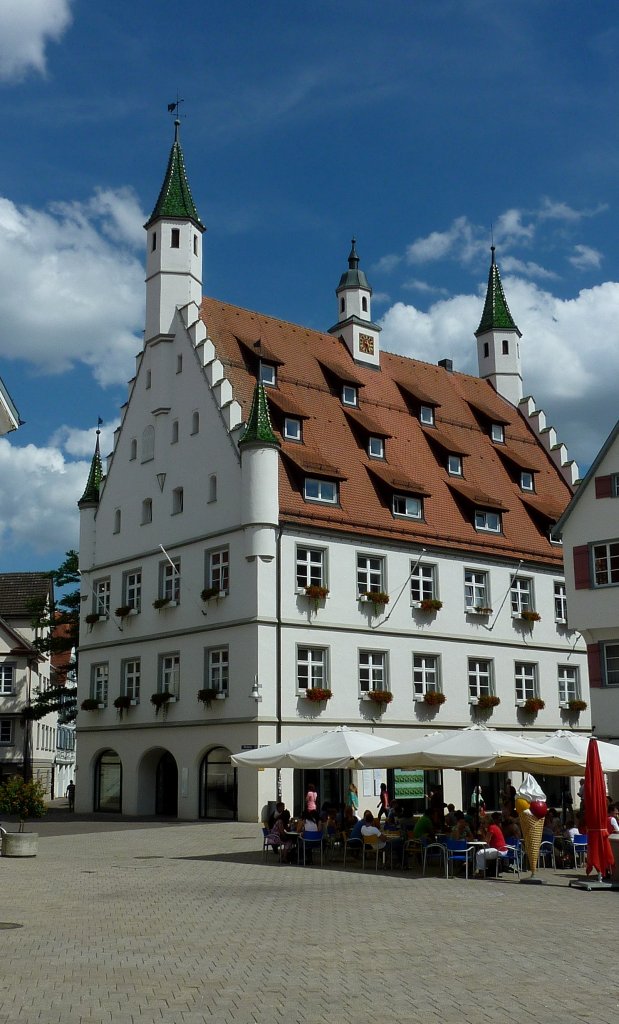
(532, 831)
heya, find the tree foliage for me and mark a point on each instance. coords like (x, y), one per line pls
(22, 799)
(58, 637)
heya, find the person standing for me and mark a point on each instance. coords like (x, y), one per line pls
(384, 801)
(352, 798)
(70, 794)
(311, 799)
(478, 804)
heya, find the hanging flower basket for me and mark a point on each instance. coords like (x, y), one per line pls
(434, 698)
(161, 700)
(430, 604)
(317, 694)
(530, 616)
(380, 696)
(533, 704)
(487, 701)
(577, 705)
(90, 704)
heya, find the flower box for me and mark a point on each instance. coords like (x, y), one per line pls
(207, 695)
(378, 696)
(125, 610)
(376, 597)
(434, 698)
(90, 704)
(577, 705)
(532, 705)
(317, 694)
(528, 615)
(122, 704)
(430, 604)
(477, 610)
(161, 700)
(561, 622)
(212, 592)
(316, 593)
(96, 617)
(486, 702)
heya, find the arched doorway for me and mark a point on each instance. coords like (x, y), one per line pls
(108, 783)
(166, 786)
(218, 786)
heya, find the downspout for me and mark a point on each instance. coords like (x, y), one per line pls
(278, 652)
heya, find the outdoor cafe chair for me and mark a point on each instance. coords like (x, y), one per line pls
(269, 843)
(310, 840)
(579, 847)
(371, 847)
(546, 850)
(435, 853)
(515, 854)
(458, 851)
(412, 848)
(353, 844)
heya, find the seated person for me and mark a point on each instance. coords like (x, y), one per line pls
(450, 817)
(350, 819)
(461, 829)
(393, 820)
(496, 845)
(425, 827)
(368, 828)
(613, 821)
(548, 834)
(276, 813)
(309, 822)
(511, 829)
(276, 836)
(355, 832)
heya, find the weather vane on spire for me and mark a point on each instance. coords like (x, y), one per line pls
(174, 108)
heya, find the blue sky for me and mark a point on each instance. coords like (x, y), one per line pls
(417, 127)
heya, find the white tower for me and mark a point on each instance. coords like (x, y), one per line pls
(354, 325)
(259, 449)
(498, 341)
(174, 248)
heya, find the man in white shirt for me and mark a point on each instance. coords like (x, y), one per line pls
(369, 829)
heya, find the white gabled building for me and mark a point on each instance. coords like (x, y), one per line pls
(256, 459)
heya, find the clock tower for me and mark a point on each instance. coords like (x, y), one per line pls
(354, 325)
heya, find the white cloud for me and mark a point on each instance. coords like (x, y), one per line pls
(415, 285)
(81, 443)
(569, 356)
(68, 294)
(26, 27)
(585, 257)
(510, 229)
(38, 497)
(528, 268)
(551, 210)
(386, 263)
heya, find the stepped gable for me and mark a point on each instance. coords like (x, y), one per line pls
(19, 589)
(308, 365)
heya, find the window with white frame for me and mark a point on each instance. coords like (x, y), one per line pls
(425, 674)
(316, 489)
(130, 672)
(169, 673)
(525, 675)
(7, 678)
(372, 670)
(170, 579)
(292, 428)
(218, 569)
(177, 500)
(132, 589)
(560, 602)
(521, 595)
(476, 592)
(526, 481)
(101, 596)
(497, 433)
(6, 731)
(216, 669)
(606, 563)
(407, 507)
(610, 662)
(487, 522)
(349, 395)
(311, 668)
(423, 582)
(426, 415)
(480, 678)
(376, 447)
(311, 565)
(370, 574)
(267, 374)
(569, 683)
(614, 485)
(99, 678)
(454, 465)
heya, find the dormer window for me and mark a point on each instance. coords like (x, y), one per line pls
(349, 395)
(407, 507)
(175, 238)
(320, 490)
(376, 448)
(487, 522)
(426, 415)
(292, 428)
(454, 465)
(526, 481)
(267, 374)
(497, 433)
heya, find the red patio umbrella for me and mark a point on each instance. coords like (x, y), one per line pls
(599, 853)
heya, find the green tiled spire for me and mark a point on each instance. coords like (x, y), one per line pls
(496, 314)
(259, 429)
(175, 199)
(91, 494)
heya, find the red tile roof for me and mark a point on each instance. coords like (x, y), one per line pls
(464, 407)
(19, 589)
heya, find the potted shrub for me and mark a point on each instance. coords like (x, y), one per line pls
(487, 701)
(90, 704)
(434, 698)
(528, 615)
(22, 800)
(317, 694)
(576, 705)
(430, 604)
(122, 704)
(161, 700)
(532, 705)
(380, 696)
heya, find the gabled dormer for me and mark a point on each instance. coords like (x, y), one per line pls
(498, 341)
(173, 249)
(354, 325)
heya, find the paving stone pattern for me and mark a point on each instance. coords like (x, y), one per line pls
(185, 924)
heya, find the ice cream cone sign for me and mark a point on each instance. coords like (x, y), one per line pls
(531, 807)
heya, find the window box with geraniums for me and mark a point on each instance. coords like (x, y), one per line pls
(528, 615)
(161, 700)
(209, 694)
(164, 602)
(378, 598)
(124, 610)
(378, 696)
(486, 701)
(91, 704)
(434, 698)
(94, 617)
(576, 705)
(430, 604)
(210, 592)
(317, 694)
(316, 594)
(478, 610)
(122, 704)
(532, 705)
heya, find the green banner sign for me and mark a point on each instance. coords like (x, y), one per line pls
(409, 785)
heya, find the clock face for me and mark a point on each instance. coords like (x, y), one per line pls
(366, 344)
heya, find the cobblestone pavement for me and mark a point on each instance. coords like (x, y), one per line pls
(185, 924)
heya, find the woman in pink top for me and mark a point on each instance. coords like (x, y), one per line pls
(311, 798)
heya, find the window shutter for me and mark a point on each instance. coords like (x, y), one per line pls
(595, 665)
(603, 487)
(582, 576)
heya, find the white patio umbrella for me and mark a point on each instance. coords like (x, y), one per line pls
(575, 746)
(475, 747)
(332, 748)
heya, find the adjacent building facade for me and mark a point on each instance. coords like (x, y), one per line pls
(298, 529)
